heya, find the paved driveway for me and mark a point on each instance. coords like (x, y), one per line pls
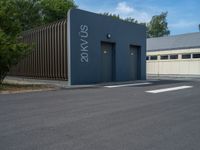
(118, 118)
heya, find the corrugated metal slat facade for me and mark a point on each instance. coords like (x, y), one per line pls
(48, 60)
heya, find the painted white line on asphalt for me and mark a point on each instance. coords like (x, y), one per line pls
(125, 85)
(169, 89)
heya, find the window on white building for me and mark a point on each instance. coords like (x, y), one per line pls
(164, 57)
(153, 57)
(186, 56)
(196, 55)
(173, 56)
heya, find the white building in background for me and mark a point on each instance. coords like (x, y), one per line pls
(174, 55)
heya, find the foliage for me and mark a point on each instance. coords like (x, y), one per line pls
(32, 13)
(8, 22)
(53, 10)
(20, 15)
(111, 15)
(28, 13)
(157, 27)
(11, 49)
(115, 16)
(132, 20)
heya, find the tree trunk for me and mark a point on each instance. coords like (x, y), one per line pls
(2, 76)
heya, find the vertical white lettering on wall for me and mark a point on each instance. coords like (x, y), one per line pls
(84, 56)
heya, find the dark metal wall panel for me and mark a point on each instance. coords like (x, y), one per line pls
(87, 31)
(48, 59)
(65, 61)
(48, 49)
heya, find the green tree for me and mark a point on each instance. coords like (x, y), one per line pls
(11, 52)
(115, 16)
(131, 20)
(20, 15)
(28, 13)
(32, 13)
(158, 26)
(11, 49)
(53, 10)
(8, 18)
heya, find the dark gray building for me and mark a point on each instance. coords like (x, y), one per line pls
(103, 49)
(99, 49)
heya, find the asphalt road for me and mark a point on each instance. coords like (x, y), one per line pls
(124, 118)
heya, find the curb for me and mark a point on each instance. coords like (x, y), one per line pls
(27, 91)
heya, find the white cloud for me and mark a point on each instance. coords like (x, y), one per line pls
(125, 10)
(122, 7)
(142, 16)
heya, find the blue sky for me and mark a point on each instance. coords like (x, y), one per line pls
(183, 15)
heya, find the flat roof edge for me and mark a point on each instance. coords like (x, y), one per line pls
(178, 48)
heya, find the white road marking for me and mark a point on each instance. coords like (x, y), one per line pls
(169, 89)
(125, 85)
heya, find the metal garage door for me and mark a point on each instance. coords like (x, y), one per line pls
(134, 51)
(107, 62)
